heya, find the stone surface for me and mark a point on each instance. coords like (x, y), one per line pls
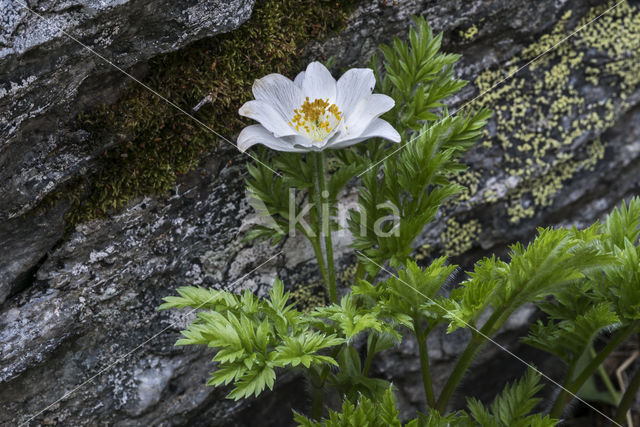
(47, 77)
(88, 312)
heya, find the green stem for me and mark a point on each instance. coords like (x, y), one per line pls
(371, 350)
(316, 402)
(421, 338)
(627, 398)
(324, 228)
(459, 370)
(325, 369)
(605, 379)
(328, 243)
(317, 249)
(570, 389)
(360, 272)
(478, 339)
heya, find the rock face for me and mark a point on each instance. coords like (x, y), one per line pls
(47, 76)
(82, 319)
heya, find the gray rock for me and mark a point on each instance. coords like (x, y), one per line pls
(47, 76)
(89, 310)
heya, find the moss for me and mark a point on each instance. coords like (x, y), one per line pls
(154, 143)
(543, 110)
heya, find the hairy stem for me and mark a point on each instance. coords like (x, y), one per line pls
(571, 388)
(316, 402)
(459, 370)
(371, 350)
(317, 250)
(421, 338)
(478, 339)
(325, 257)
(326, 229)
(627, 398)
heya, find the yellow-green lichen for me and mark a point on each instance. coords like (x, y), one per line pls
(469, 180)
(424, 252)
(155, 143)
(490, 196)
(458, 238)
(307, 297)
(542, 111)
(347, 276)
(470, 33)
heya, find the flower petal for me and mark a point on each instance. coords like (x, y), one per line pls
(279, 92)
(299, 79)
(318, 83)
(378, 128)
(268, 117)
(369, 108)
(354, 85)
(257, 134)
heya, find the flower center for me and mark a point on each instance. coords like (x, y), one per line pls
(316, 119)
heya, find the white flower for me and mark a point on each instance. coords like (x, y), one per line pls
(314, 112)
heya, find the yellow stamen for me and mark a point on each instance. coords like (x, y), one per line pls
(318, 118)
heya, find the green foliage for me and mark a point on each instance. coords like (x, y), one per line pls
(350, 380)
(554, 260)
(570, 333)
(365, 413)
(619, 283)
(418, 77)
(605, 298)
(624, 224)
(409, 295)
(585, 281)
(347, 319)
(422, 170)
(252, 336)
(512, 406)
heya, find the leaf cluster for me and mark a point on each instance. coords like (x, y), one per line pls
(555, 259)
(605, 298)
(395, 206)
(417, 75)
(365, 412)
(252, 336)
(512, 406)
(409, 296)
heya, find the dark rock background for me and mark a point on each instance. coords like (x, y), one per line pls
(47, 77)
(84, 308)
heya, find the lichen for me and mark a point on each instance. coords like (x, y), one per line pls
(545, 109)
(458, 238)
(308, 296)
(153, 143)
(311, 295)
(470, 33)
(469, 180)
(423, 252)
